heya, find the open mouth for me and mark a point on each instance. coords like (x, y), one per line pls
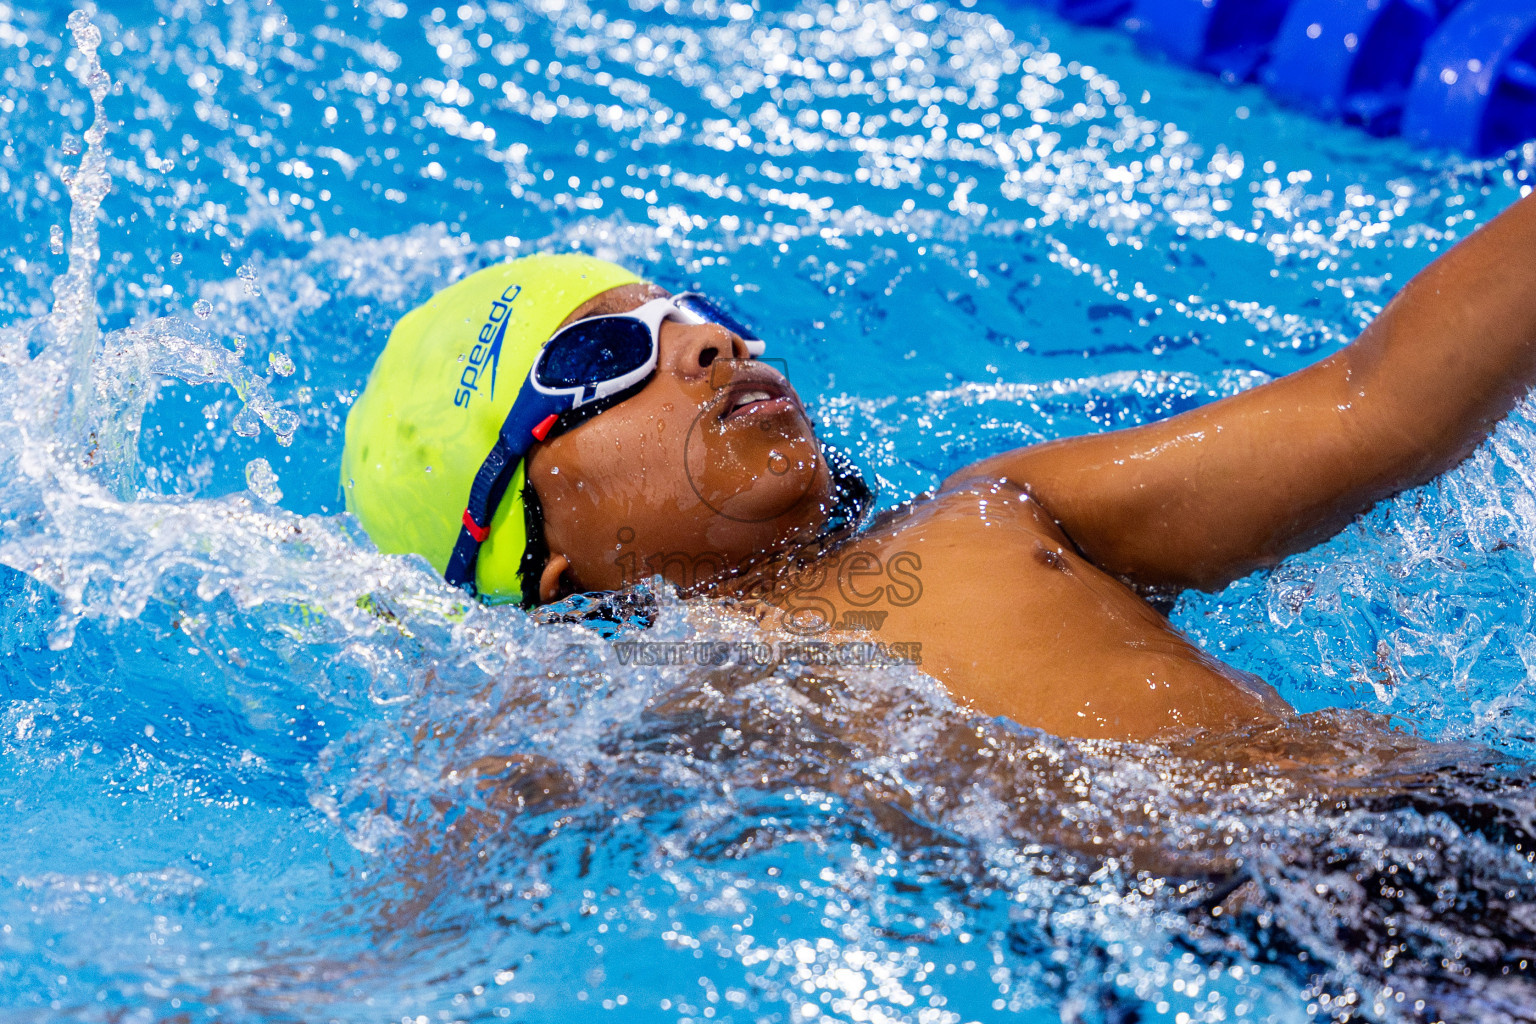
(755, 394)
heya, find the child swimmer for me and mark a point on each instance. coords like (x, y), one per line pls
(554, 425)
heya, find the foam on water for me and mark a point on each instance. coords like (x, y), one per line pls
(255, 771)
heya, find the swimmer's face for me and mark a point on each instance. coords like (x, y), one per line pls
(713, 463)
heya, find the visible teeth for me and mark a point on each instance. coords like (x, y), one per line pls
(748, 397)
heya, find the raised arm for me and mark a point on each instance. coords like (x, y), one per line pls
(1210, 495)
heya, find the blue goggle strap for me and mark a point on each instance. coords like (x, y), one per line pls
(529, 420)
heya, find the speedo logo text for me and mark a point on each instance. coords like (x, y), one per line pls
(486, 354)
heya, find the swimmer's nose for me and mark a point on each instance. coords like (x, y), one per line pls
(689, 350)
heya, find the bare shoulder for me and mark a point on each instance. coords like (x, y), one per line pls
(967, 502)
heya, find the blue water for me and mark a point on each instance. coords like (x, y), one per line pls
(234, 737)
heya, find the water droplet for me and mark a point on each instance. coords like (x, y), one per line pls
(261, 481)
(56, 240)
(203, 308)
(62, 636)
(87, 35)
(246, 423)
(175, 258)
(247, 277)
(70, 145)
(281, 364)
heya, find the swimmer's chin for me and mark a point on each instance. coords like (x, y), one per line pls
(798, 509)
(792, 517)
(771, 474)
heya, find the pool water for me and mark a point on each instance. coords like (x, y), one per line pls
(234, 736)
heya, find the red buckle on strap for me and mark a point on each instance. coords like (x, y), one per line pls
(547, 424)
(475, 529)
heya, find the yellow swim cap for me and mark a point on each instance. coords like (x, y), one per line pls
(435, 403)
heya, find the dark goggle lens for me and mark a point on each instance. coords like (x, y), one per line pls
(699, 305)
(590, 353)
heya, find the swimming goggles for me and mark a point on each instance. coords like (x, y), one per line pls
(592, 360)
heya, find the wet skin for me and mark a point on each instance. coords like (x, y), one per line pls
(1031, 563)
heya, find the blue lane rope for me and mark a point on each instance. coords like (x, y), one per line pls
(1457, 74)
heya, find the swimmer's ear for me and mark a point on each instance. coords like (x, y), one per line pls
(552, 579)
